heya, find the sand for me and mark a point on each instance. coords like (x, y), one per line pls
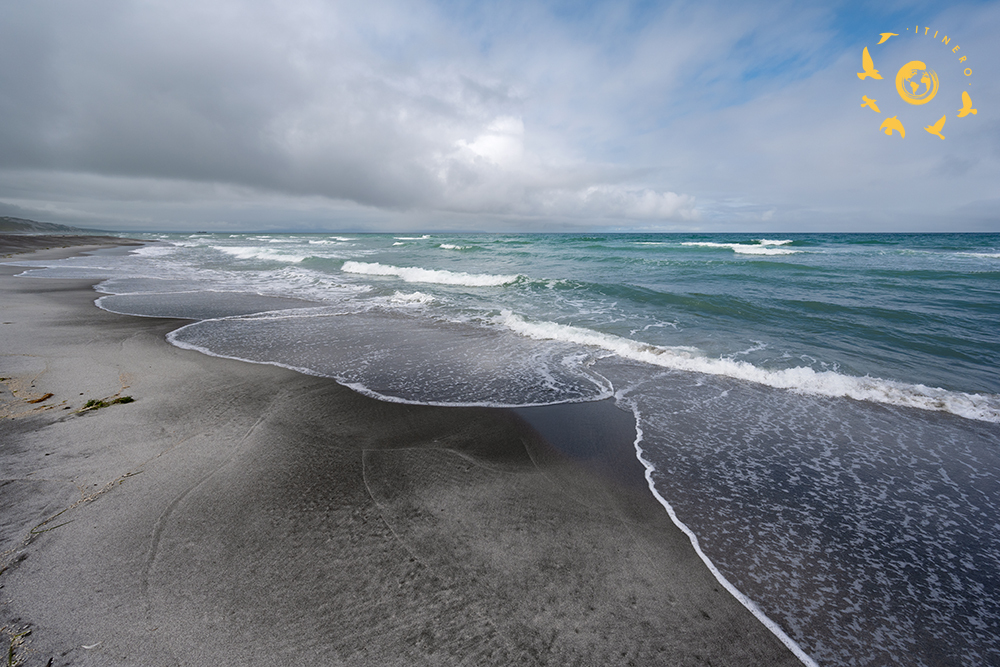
(246, 514)
(11, 244)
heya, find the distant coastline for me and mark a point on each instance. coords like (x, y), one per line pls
(12, 225)
(26, 241)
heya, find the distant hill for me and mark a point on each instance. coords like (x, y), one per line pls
(10, 225)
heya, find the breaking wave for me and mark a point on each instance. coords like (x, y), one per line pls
(417, 275)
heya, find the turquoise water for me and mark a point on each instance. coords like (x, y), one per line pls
(822, 411)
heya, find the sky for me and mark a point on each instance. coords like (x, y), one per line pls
(433, 115)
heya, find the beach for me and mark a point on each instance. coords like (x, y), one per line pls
(238, 513)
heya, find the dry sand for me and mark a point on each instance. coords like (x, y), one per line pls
(244, 514)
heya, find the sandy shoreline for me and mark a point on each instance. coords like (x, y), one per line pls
(239, 513)
(11, 244)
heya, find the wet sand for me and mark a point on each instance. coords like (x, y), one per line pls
(246, 514)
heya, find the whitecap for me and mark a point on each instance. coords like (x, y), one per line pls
(744, 249)
(761, 250)
(154, 250)
(249, 252)
(415, 297)
(439, 276)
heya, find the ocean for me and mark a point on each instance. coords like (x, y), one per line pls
(819, 412)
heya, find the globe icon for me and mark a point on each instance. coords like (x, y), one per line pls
(915, 83)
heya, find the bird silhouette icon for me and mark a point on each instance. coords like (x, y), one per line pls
(866, 62)
(966, 106)
(887, 35)
(866, 102)
(890, 124)
(936, 128)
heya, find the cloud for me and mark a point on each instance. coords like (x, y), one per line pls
(615, 201)
(631, 112)
(389, 108)
(501, 143)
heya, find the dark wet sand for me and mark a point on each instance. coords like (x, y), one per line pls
(244, 514)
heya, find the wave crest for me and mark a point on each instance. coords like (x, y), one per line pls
(412, 274)
(250, 252)
(982, 407)
(762, 247)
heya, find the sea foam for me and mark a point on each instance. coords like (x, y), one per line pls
(983, 407)
(154, 250)
(749, 604)
(250, 252)
(336, 239)
(439, 276)
(413, 298)
(763, 247)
